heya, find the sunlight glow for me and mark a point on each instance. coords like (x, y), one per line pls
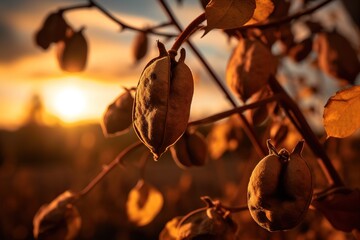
(69, 103)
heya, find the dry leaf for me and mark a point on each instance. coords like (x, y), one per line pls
(72, 52)
(262, 11)
(53, 30)
(336, 56)
(224, 136)
(228, 14)
(118, 116)
(190, 150)
(341, 207)
(249, 68)
(57, 220)
(144, 203)
(170, 231)
(342, 113)
(140, 46)
(162, 102)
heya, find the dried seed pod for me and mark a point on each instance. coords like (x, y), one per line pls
(212, 222)
(118, 116)
(162, 102)
(280, 189)
(190, 150)
(140, 46)
(72, 52)
(54, 29)
(336, 56)
(249, 68)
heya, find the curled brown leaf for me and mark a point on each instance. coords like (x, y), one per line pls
(341, 207)
(58, 219)
(336, 56)
(144, 203)
(190, 150)
(54, 29)
(249, 68)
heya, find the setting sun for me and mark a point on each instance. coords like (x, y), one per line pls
(69, 103)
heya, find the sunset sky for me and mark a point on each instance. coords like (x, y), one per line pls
(25, 69)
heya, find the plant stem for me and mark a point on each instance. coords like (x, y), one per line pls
(122, 25)
(286, 19)
(298, 119)
(107, 168)
(247, 127)
(184, 35)
(75, 7)
(236, 209)
(225, 114)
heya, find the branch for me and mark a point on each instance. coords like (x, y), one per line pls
(277, 22)
(247, 127)
(107, 168)
(123, 26)
(237, 110)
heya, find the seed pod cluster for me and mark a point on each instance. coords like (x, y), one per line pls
(72, 52)
(53, 30)
(118, 116)
(190, 150)
(162, 102)
(280, 189)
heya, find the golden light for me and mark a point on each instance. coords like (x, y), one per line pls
(69, 103)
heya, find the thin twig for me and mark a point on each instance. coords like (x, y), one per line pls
(94, 4)
(247, 127)
(237, 110)
(107, 168)
(236, 209)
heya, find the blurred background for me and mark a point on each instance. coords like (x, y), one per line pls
(51, 138)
